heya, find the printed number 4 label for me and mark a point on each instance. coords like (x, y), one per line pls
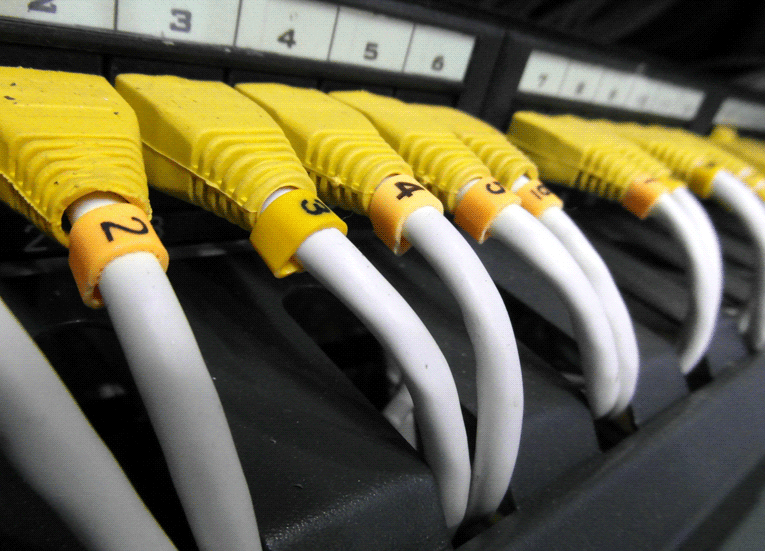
(288, 38)
(407, 189)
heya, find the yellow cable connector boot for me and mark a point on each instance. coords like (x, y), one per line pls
(688, 163)
(209, 145)
(440, 160)
(64, 136)
(738, 166)
(506, 162)
(571, 152)
(748, 149)
(352, 165)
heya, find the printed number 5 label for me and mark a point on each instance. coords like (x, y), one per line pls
(364, 38)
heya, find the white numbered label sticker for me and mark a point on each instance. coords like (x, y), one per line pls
(372, 40)
(439, 53)
(613, 88)
(97, 13)
(665, 100)
(291, 27)
(641, 95)
(580, 82)
(188, 21)
(689, 103)
(543, 74)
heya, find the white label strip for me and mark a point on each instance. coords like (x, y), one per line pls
(557, 76)
(296, 28)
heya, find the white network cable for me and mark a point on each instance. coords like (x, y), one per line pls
(699, 325)
(180, 397)
(579, 247)
(499, 385)
(335, 262)
(524, 234)
(559, 223)
(706, 231)
(50, 442)
(745, 205)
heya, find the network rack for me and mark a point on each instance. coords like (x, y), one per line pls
(301, 380)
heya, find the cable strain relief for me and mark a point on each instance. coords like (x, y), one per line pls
(287, 222)
(701, 178)
(393, 201)
(103, 234)
(723, 134)
(478, 208)
(506, 162)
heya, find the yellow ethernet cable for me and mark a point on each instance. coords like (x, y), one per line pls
(711, 175)
(689, 164)
(229, 157)
(577, 153)
(517, 173)
(52, 152)
(356, 168)
(569, 151)
(482, 206)
(210, 145)
(748, 149)
(736, 165)
(353, 167)
(69, 143)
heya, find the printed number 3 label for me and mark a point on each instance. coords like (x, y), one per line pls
(182, 21)
(316, 209)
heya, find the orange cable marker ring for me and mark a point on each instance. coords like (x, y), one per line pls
(103, 234)
(393, 201)
(641, 196)
(536, 198)
(480, 206)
